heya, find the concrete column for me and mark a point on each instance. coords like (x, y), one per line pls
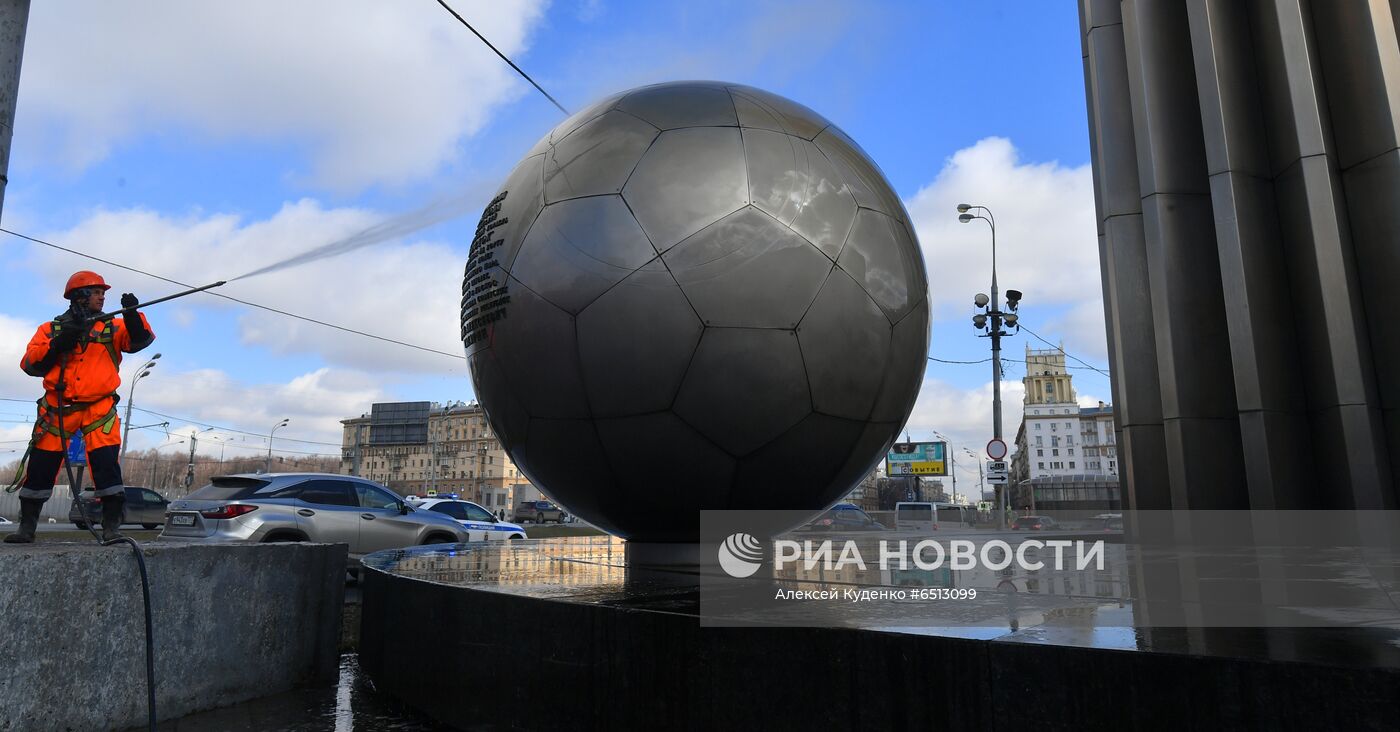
(1258, 141)
(1264, 350)
(1338, 368)
(1127, 295)
(14, 18)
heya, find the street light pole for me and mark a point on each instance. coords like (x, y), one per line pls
(142, 372)
(992, 309)
(268, 467)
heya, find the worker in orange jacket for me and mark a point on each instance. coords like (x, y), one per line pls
(79, 360)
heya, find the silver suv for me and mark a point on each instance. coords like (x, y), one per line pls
(320, 507)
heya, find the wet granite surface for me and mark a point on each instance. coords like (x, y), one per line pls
(566, 630)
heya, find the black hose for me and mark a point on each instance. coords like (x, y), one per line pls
(150, 646)
(76, 490)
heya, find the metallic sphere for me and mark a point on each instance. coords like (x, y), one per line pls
(695, 296)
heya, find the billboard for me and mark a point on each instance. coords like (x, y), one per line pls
(917, 458)
(399, 423)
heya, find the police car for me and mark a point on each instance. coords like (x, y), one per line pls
(479, 523)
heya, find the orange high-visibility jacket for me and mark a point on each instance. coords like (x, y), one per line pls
(91, 376)
(92, 369)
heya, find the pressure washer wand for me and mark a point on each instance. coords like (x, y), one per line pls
(158, 300)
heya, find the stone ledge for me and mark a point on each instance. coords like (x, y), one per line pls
(231, 622)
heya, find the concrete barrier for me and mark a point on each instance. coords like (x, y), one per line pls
(231, 622)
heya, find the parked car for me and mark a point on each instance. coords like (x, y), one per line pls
(4, 520)
(481, 524)
(1035, 523)
(143, 506)
(845, 517)
(539, 512)
(321, 507)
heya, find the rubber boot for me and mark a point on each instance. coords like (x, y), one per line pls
(112, 516)
(29, 509)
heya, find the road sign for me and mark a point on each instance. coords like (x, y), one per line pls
(997, 472)
(996, 449)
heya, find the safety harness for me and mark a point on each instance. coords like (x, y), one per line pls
(50, 417)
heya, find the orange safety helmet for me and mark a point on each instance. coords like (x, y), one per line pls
(82, 279)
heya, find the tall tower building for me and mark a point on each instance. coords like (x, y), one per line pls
(1047, 381)
(1065, 457)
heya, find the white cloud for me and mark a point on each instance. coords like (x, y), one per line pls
(14, 338)
(315, 402)
(1091, 400)
(964, 417)
(381, 92)
(1082, 328)
(408, 292)
(1046, 241)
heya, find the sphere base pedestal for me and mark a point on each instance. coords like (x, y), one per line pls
(594, 633)
(670, 556)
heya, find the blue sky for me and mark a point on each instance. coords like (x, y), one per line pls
(199, 142)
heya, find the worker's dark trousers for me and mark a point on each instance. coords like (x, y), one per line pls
(44, 465)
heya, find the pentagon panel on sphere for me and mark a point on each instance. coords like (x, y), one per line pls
(904, 370)
(882, 256)
(866, 181)
(745, 387)
(670, 106)
(793, 181)
(635, 343)
(539, 356)
(688, 180)
(763, 110)
(575, 120)
(804, 459)
(596, 158)
(567, 456)
(694, 296)
(748, 271)
(694, 468)
(844, 337)
(579, 249)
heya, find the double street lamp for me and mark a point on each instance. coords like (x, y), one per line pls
(981, 479)
(990, 320)
(141, 373)
(952, 462)
(283, 423)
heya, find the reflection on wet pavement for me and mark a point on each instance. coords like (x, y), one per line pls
(350, 705)
(1329, 610)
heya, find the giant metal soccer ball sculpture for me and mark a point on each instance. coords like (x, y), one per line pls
(695, 296)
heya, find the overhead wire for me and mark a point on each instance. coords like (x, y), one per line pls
(1007, 360)
(1065, 353)
(210, 425)
(489, 45)
(260, 448)
(240, 301)
(229, 429)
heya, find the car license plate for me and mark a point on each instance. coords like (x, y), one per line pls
(182, 520)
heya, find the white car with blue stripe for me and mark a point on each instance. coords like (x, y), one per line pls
(479, 523)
